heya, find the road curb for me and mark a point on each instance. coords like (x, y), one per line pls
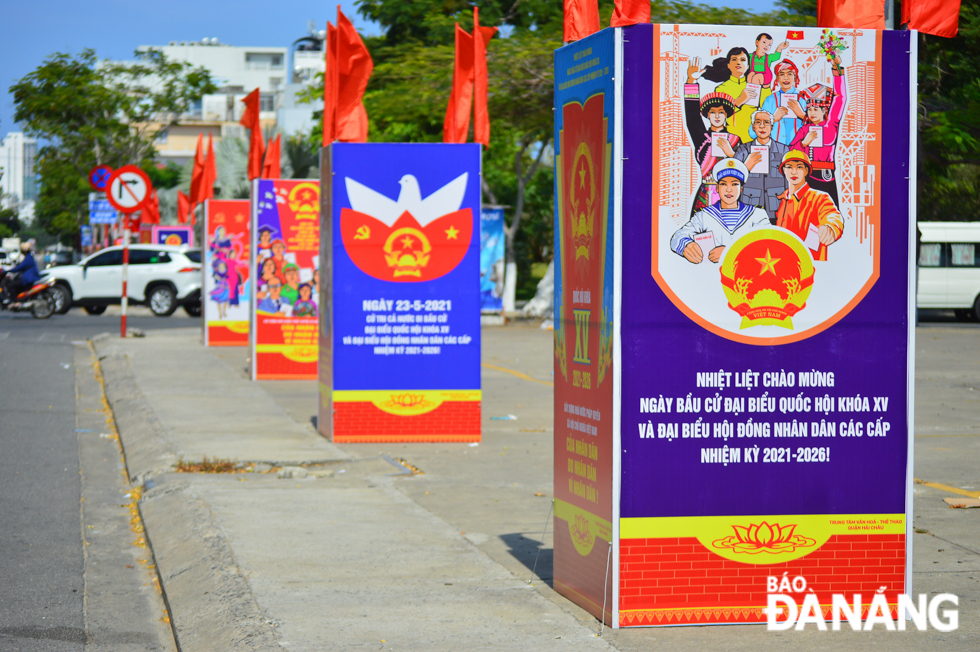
(210, 603)
(146, 447)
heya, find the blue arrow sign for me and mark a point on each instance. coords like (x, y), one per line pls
(102, 217)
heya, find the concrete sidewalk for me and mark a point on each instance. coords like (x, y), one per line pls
(359, 553)
(343, 557)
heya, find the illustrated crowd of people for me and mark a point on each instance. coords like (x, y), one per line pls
(765, 150)
(280, 283)
(227, 269)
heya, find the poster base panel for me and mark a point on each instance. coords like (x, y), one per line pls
(405, 439)
(228, 334)
(714, 570)
(406, 415)
(279, 366)
(582, 560)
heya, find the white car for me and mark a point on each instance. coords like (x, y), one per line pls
(949, 267)
(162, 277)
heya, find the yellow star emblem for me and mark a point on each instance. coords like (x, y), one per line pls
(768, 263)
(407, 242)
(581, 177)
(451, 233)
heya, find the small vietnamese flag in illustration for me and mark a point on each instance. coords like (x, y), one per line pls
(794, 35)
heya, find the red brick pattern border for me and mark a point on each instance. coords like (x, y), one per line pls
(275, 366)
(678, 581)
(362, 421)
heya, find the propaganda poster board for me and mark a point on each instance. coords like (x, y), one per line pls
(492, 241)
(225, 294)
(400, 333)
(284, 263)
(173, 235)
(762, 339)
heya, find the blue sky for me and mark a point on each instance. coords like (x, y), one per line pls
(34, 29)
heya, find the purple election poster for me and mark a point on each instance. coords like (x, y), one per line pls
(766, 318)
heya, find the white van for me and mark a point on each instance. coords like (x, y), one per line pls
(949, 267)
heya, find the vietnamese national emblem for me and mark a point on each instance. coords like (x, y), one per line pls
(408, 239)
(582, 198)
(304, 201)
(767, 276)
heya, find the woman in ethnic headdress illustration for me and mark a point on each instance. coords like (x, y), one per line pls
(221, 291)
(818, 136)
(717, 108)
(729, 72)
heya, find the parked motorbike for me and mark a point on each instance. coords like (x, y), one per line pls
(38, 299)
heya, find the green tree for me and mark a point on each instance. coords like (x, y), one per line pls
(91, 112)
(9, 221)
(408, 91)
(949, 121)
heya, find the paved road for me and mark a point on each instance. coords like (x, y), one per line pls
(79, 325)
(42, 564)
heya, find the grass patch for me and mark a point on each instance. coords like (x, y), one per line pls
(208, 465)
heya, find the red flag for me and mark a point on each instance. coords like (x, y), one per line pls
(197, 173)
(151, 211)
(581, 19)
(183, 207)
(794, 35)
(857, 14)
(256, 144)
(349, 67)
(630, 12)
(330, 88)
(271, 169)
(354, 67)
(210, 174)
(936, 17)
(456, 124)
(481, 116)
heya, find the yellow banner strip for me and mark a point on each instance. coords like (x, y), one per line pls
(699, 526)
(361, 396)
(568, 512)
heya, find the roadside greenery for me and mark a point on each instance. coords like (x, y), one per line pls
(90, 112)
(87, 111)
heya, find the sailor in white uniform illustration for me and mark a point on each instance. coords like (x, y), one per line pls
(711, 230)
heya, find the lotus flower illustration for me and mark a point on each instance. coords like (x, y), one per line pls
(764, 537)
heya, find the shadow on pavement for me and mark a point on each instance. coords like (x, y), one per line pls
(527, 551)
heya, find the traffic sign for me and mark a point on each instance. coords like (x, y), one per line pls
(128, 189)
(98, 178)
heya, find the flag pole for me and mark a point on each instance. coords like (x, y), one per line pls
(125, 273)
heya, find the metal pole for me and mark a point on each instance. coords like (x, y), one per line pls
(125, 272)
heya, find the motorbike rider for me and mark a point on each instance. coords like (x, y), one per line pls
(21, 277)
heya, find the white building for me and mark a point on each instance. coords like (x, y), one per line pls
(307, 62)
(236, 71)
(18, 159)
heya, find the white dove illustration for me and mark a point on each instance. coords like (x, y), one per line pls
(446, 200)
